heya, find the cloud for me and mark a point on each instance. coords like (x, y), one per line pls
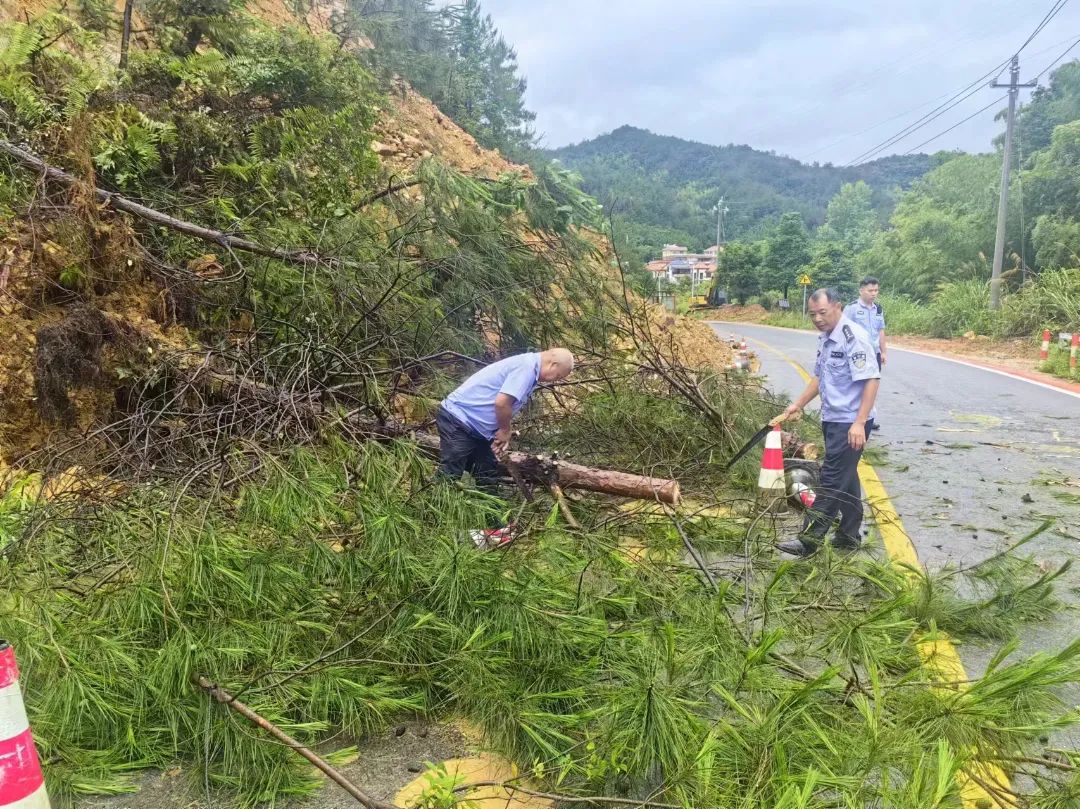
(798, 77)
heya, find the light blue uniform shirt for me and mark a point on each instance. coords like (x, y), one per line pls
(869, 318)
(845, 360)
(473, 403)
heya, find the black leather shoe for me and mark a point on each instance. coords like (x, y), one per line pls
(796, 547)
(842, 542)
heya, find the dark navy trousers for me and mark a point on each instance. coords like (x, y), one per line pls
(462, 449)
(839, 493)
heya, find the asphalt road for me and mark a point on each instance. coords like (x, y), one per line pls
(972, 461)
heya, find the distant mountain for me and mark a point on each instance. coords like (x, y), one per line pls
(665, 188)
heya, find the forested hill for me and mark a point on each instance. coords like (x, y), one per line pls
(666, 187)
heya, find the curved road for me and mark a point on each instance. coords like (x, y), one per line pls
(973, 461)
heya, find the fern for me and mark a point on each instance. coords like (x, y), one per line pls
(18, 43)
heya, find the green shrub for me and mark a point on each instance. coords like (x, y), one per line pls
(1051, 301)
(1058, 362)
(904, 316)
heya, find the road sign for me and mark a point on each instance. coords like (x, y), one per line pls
(804, 280)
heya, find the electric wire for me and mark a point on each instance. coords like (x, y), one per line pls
(956, 99)
(958, 123)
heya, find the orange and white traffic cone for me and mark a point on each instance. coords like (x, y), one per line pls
(1074, 346)
(1044, 352)
(22, 785)
(772, 489)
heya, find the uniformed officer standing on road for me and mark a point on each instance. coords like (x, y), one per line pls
(867, 312)
(846, 375)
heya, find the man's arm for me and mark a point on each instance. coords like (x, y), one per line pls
(857, 431)
(881, 344)
(504, 411)
(808, 395)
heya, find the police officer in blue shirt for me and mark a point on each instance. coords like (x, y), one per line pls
(846, 375)
(474, 422)
(867, 312)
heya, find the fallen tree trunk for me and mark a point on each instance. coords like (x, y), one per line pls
(541, 469)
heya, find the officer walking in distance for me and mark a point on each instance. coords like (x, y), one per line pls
(847, 376)
(867, 312)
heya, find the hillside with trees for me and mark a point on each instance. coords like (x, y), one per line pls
(664, 189)
(934, 252)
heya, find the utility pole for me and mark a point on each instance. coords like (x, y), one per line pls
(1014, 86)
(719, 213)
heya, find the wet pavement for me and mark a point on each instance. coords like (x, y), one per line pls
(973, 461)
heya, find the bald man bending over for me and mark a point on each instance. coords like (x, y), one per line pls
(474, 420)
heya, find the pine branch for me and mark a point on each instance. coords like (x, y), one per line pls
(121, 203)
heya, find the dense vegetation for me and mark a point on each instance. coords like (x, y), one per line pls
(454, 55)
(665, 189)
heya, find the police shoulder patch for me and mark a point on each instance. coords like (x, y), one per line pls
(849, 335)
(858, 359)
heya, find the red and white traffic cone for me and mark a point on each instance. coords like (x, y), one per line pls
(772, 490)
(742, 344)
(22, 785)
(1044, 352)
(1074, 347)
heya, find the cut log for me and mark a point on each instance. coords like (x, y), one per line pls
(575, 476)
(541, 469)
(795, 447)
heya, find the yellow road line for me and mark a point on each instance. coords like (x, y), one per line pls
(937, 653)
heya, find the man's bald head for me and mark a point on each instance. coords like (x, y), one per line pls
(555, 364)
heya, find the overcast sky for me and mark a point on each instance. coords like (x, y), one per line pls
(802, 77)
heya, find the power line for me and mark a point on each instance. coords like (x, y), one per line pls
(907, 112)
(1063, 55)
(959, 97)
(954, 100)
(1053, 12)
(958, 123)
(912, 61)
(996, 100)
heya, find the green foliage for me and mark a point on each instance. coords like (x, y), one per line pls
(1052, 184)
(27, 102)
(850, 218)
(454, 55)
(1050, 106)
(739, 270)
(182, 25)
(787, 253)
(831, 265)
(1051, 300)
(1056, 241)
(611, 672)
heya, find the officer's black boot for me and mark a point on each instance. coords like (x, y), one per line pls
(843, 542)
(800, 546)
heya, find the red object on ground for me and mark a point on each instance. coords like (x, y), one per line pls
(1072, 351)
(1044, 352)
(22, 785)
